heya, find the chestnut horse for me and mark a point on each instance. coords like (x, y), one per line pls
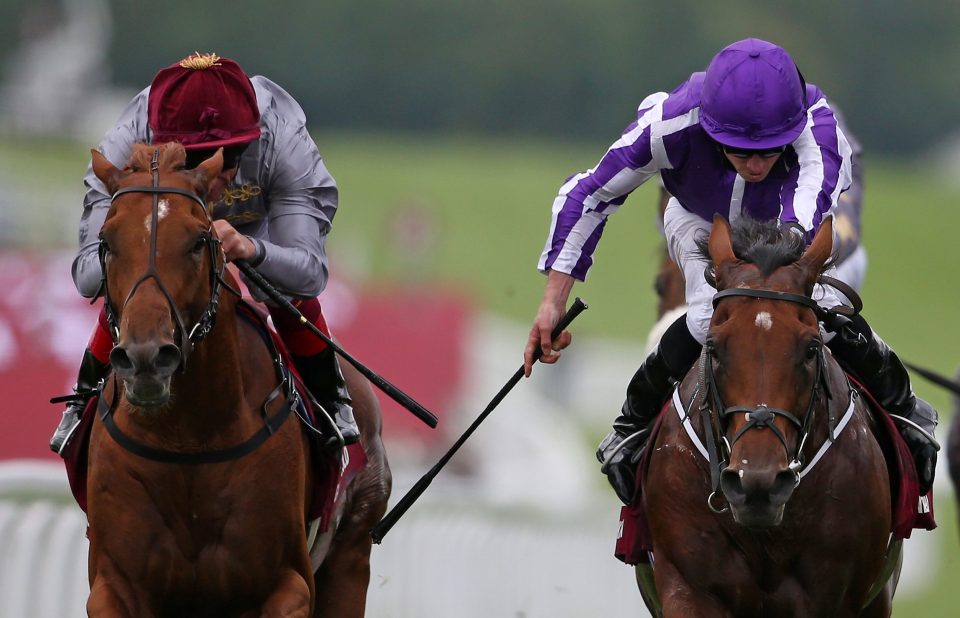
(208, 515)
(735, 532)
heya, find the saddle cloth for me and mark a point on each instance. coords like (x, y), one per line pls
(909, 509)
(333, 472)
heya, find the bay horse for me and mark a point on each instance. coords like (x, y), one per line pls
(734, 530)
(199, 482)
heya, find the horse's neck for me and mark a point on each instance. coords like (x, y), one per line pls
(213, 376)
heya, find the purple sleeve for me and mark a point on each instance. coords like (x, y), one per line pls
(588, 198)
(822, 172)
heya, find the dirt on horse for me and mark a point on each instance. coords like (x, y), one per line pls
(216, 525)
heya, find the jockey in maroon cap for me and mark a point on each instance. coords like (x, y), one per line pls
(273, 206)
(746, 137)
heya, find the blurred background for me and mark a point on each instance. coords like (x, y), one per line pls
(450, 127)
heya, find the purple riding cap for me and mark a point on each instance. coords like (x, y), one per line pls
(753, 97)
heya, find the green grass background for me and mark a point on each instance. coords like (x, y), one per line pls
(489, 202)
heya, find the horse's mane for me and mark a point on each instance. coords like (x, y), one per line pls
(766, 244)
(173, 157)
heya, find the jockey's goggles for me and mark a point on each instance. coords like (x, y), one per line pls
(231, 156)
(746, 153)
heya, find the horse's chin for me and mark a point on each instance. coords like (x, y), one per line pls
(758, 517)
(147, 393)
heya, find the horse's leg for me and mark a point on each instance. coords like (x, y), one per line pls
(110, 593)
(290, 599)
(678, 597)
(104, 602)
(342, 580)
(882, 606)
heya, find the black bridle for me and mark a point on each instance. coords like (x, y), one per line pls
(186, 339)
(761, 416)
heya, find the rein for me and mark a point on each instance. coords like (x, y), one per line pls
(186, 339)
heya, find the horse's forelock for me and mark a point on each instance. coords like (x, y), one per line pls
(765, 244)
(173, 156)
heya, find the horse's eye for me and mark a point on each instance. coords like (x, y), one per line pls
(813, 350)
(199, 246)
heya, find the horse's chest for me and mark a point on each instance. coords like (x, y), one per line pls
(216, 556)
(207, 540)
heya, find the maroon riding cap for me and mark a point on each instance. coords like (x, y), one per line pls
(203, 101)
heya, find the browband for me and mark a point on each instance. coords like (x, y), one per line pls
(148, 189)
(800, 299)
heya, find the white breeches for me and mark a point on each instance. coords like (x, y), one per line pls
(681, 228)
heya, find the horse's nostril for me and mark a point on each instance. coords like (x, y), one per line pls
(783, 486)
(732, 486)
(120, 361)
(167, 359)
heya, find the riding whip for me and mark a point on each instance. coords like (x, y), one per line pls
(951, 385)
(381, 529)
(392, 391)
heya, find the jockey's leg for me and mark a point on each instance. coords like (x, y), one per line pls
(646, 394)
(93, 369)
(317, 364)
(877, 366)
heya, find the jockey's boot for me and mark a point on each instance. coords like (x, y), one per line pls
(322, 375)
(91, 373)
(878, 368)
(620, 450)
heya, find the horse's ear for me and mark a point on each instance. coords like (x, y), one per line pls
(107, 172)
(208, 170)
(720, 245)
(818, 252)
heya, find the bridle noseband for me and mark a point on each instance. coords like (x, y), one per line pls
(186, 339)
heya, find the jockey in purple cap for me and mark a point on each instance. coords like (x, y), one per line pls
(747, 137)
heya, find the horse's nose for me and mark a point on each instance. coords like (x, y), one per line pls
(744, 485)
(145, 358)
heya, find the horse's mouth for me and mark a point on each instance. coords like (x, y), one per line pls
(758, 516)
(147, 392)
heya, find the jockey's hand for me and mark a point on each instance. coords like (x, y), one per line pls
(551, 310)
(235, 245)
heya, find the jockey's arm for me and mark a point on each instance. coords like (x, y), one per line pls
(552, 307)
(116, 146)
